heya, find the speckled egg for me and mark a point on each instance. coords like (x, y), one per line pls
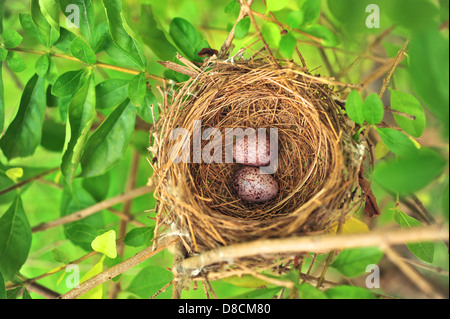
(253, 186)
(253, 156)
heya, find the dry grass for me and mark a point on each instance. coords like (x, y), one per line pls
(318, 159)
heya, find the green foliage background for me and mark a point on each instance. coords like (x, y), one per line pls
(58, 84)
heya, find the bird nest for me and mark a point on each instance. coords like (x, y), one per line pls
(318, 159)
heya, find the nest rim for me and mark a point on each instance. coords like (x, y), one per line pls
(295, 93)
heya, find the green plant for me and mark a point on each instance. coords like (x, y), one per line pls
(78, 105)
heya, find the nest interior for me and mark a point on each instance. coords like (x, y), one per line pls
(318, 160)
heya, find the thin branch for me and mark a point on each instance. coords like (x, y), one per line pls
(20, 184)
(367, 50)
(415, 277)
(52, 272)
(42, 291)
(126, 210)
(113, 271)
(93, 209)
(229, 40)
(258, 31)
(321, 244)
(397, 60)
(99, 64)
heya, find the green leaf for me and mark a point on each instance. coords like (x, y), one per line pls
(373, 109)
(53, 135)
(81, 234)
(149, 280)
(50, 34)
(137, 89)
(397, 142)
(247, 281)
(231, 6)
(68, 83)
(349, 292)
(2, 287)
(408, 104)
(15, 239)
(2, 9)
(81, 116)
(409, 174)
(124, 42)
(64, 42)
(429, 71)
(24, 133)
(311, 11)
(3, 54)
(276, 5)
(381, 150)
(423, 250)
(242, 28)
(265, 293)
(30, 27)
(42, 65)
(14, 174)
(354, 107)
(26, 294)
(187, 38)
(110, 93)
(2, 100)
(81, 50)
(106, 244)
(295, 19)
(287, 45)
(353, 262)
(154, 36)
(109, 143)
(271, 34)
(97, 186)
(50, 10)
(328, 38)
(139, 236)
(97, 291)
(145, 110)
(11, 39)
(15, 62)
(60, 256)
(307, 291)
(87, 17)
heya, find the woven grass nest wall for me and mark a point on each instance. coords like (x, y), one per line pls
(318, 160)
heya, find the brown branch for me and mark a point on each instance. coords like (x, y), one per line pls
(368, 49)
(52, 272)
(229, 40)
(113, 271)
(94, 208)
(415, 277)
(397, 60)
(126, 210)
(42, 291)
(258, 31)
(20, 184)
(99, 64)
(375, 75)
(321, 244)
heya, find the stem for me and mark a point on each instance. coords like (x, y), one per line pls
(99, 64)
(93, 209)
(397, 60)
(229, 40)
(412, 274)
(113, 271)
(28, 181)
(131, 183)
(320, 244)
